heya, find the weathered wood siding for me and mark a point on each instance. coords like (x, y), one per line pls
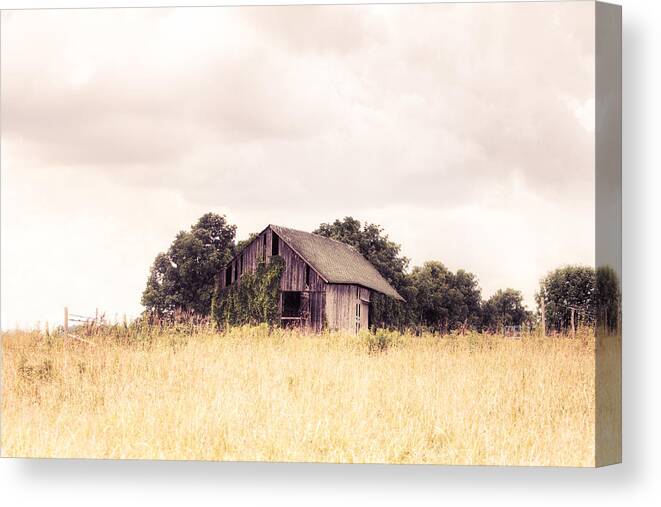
(346, 306)
(365, 298)
(245, 262)
(293, 278)
(297, 276)
(317, 309)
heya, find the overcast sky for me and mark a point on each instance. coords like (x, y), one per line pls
(465, 130)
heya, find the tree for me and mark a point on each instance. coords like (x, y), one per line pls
(566, 290)
(376, 247)
(608, 298)
(504, 308)
(445, 301)
(466, 298)
(184, 277)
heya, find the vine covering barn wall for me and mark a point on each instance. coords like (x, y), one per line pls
(253, 300)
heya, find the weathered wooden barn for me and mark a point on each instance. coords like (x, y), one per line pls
(324, 280)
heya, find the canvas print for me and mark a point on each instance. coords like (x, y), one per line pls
(341, 234)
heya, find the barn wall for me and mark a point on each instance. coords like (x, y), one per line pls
(293, 276)
(293, 279)
(341, 301)
(317, 309)
(251, 255)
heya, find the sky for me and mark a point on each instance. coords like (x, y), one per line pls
(465, 130)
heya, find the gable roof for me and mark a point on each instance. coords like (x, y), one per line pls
(335, 261)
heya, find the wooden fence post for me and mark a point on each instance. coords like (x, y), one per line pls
(543, 316)
(573, 327)
(66, 319)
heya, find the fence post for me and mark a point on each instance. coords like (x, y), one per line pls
(573, 327)
(543, 316)
(66, 319)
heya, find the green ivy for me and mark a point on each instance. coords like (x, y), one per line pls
(253, 300)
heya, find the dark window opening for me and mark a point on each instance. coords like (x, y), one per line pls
(228, 276)
(275, 245)
(307, 275)
(241, 265)
(264, 249)
(291, 304)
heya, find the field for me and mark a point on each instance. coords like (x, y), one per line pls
(248, 394)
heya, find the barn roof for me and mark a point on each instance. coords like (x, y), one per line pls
(335, 261)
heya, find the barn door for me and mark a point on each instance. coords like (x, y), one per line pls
(364, 315)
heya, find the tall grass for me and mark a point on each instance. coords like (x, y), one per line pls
(253, 394)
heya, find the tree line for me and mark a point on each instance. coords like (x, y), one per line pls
(436, 298)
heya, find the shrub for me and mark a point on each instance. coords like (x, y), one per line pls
(43, 371)
(380, 341)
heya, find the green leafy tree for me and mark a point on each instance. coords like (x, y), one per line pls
(564, 289)
(183, 278)
(466, 300)
(384, 254)
(504, 308)
(445, 301)
(608, 298)
(432, 283)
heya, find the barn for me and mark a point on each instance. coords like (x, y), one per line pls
(324, 281)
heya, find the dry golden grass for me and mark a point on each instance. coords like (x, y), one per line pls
(251, 395)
